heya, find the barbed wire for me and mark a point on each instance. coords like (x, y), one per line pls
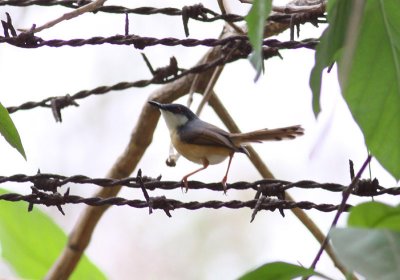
(271, 187)
(60, 102)
(26, 40)
(45, 192)
(196, 12)
(164, 203)
(29, 40)
(241, 50)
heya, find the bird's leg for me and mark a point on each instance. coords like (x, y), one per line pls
(184, 179)
(226, 174)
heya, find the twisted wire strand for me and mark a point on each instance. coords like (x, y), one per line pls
(168, 204)
(196, 12)
(143, 42)
(123, 10)
(273, 186)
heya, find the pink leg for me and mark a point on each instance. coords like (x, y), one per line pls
(226, 174)
(184, 179)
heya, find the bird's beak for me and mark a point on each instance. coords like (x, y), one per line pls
(156, 104)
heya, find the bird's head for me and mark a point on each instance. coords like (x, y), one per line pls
(175, 115)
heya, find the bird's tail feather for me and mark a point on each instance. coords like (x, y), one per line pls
(276, 134)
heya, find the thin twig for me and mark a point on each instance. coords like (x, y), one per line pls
(346, 195)
(293, 9)
(209, 89)
(191, 91)
(79, 11)
(231, 24)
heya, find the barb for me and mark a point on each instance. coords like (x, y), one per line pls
(163, 73)
(266, 187)
(152, 200)
(59, 103)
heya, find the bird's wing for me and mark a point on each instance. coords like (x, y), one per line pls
(202, 133)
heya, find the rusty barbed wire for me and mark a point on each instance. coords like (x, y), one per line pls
(273, 187)
(242, 50)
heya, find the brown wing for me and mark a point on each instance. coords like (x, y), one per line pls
(202, 133)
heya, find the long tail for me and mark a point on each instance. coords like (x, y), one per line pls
(276, 134)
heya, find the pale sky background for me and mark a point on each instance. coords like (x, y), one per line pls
(206, 244)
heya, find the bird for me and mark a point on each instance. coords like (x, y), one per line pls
(204, 143)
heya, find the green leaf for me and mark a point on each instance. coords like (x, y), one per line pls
(330, 46)
(279, 271)
(372, 88)
(9, 131)
(375, 254)
(31, 242)
(255, 20)
(375, 215)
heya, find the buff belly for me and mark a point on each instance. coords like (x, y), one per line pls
(198, 154)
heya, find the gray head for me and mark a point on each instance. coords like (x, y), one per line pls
(175, 115)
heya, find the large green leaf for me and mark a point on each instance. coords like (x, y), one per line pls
(375, 215)
(372, 88)
(375, 254)
(9, 131)
(255, 20)
(279, 271)
(31, 242)
(330, 46)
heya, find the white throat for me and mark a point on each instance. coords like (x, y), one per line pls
(173, 121)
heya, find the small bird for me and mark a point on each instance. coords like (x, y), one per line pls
(206, 144)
